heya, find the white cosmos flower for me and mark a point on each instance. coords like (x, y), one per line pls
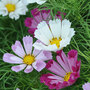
(54, 36)
(13, 8)
(34, 1)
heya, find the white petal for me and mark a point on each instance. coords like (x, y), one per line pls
(41, 46)
(55, 26)
(43, 33)
(64, 42)
(13, 15)
(41, 1)
(65, 28)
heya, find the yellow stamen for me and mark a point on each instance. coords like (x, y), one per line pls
(29, 59)
(67, 76)
(10, 7)
(56, 41)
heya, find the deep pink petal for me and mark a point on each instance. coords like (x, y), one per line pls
(73, 54)
(28, 69)
(45, 14)
(51, 83)
(30, 22)
(28, 41)
(10, 58)
(18, 67)
(32, 30)
(18, 49)
(37, 15)
(39, 65)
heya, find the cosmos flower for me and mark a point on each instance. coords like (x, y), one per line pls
(53, 36)
(13, 8)
(33, 1)
(65, 72)
(28, 58)
(39, 16)
(86, 86)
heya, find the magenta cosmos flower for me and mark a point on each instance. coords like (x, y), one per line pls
(27, 58)
(39, 16)
(86, 86)
(66, 71)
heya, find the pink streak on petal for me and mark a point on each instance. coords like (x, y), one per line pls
(18, 49)
(39, 65)
(18, 67)
(10, 58)
(43, 56)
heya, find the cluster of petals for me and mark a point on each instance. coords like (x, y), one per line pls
(33, 1)
(39, 16)
(65, 72)
(22, 56)
(86, 86)
(13, 8)
(53, 36)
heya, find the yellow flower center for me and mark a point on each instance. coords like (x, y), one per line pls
(29, 59)
(56, 41)
(67, 76)
(10, 7)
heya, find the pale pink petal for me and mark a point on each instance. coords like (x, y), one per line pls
(86, 86)
(44, 55)
(39, 65)
(10, 58)
(17, 89)
(28, 69)
(18, 67)
(18, 49)
(55, 68)
(36, 52)
(27, 41)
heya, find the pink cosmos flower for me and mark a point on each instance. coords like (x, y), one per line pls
(39, 16)
(66, 71)
(86, 86)
(26, 57)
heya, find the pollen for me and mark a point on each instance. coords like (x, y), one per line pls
(10, 7)
(29, 59)
(56, 41)
(67, 76)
